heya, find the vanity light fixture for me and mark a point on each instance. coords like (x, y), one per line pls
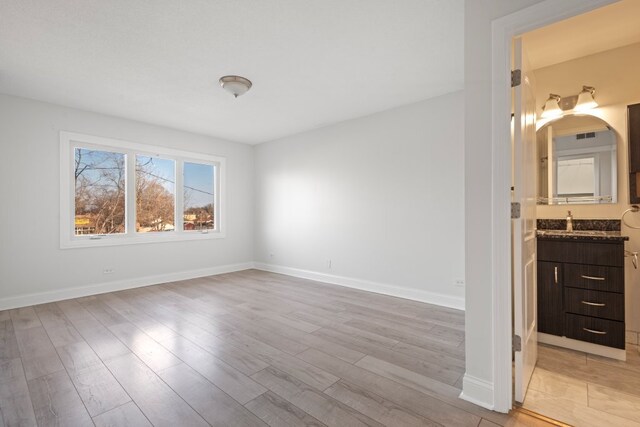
(585, 99)
(235, 85)
(552, 108)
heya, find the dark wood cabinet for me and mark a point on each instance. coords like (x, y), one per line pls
(633, 123)
(594, 277)
(550, 307)
(581, 290)
(595, 330)
(605, 305)
(582, 252)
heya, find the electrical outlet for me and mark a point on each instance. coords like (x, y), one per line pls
(108, 271)
(458, 282)
(328, 263)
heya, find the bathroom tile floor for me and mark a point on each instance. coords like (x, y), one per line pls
(585, 390)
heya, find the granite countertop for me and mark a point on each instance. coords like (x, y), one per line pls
(584, 229)
(582, 235)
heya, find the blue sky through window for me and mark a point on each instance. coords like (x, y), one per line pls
(198, 182)
(162, 169)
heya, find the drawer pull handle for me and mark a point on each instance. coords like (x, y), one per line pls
(593, 331)
(595, 304)
(592, 277)
(555, 274)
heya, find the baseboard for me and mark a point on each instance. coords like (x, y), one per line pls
(117, 285)
(365, 285)
(477, 391)
(585, 347)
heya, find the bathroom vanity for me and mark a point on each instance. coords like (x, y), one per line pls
(581, 286)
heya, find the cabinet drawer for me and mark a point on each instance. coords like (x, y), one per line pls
(594, 330)
(594, 277)
(606, 305)
(577, 252)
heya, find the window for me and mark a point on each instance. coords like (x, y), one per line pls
(155, 194)
(116, 192)
(198, 196)
(100, 185)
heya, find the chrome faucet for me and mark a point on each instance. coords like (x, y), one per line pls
(569, 221)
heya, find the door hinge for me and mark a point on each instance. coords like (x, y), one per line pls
(515, 210)
(516, 344)
(516, 78)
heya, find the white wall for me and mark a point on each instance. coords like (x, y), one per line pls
(380, 196)
(478, 193)
(31, 261)
(614, 74)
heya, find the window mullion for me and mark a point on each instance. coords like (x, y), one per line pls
(131, 193)
(179, 216)
(219, 191)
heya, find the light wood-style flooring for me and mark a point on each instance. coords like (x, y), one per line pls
(242, 349)
(586, 390)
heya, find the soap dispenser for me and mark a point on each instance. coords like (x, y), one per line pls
(569, 221)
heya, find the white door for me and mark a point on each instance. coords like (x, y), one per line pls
(524, 235)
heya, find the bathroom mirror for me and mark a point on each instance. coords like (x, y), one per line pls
(577, 161)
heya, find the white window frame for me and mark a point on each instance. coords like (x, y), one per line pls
(69, 141)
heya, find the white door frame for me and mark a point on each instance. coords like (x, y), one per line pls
(502, 32)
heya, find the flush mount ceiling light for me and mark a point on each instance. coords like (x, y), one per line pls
(585, 99)
(235, 85)
(552, 108)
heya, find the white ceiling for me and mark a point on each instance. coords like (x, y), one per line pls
(312, 63)
(603, 29)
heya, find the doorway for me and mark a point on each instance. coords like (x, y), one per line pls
(578, 385)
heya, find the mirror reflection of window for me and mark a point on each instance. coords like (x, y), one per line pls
(577, 177)
(577, 161)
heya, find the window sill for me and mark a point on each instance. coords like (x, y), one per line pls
(138, 239)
